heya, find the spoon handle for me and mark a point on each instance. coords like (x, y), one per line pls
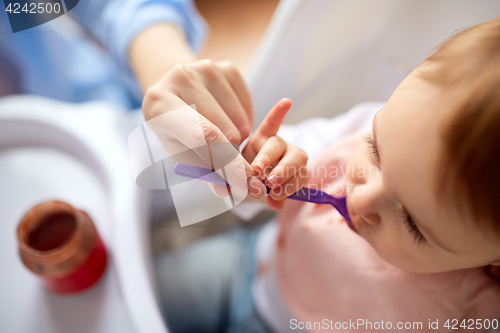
(304, 194)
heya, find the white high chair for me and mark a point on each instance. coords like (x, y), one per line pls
(75, 153)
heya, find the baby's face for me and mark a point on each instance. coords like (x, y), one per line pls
(392, 197)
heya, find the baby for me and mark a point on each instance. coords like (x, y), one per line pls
(422, 193)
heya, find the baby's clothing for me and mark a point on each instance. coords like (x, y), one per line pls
(315, 269)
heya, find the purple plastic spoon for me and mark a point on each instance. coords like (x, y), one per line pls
(304, 194)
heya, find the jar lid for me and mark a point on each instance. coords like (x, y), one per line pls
(55, 238)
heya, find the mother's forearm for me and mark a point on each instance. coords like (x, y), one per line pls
(157, 49)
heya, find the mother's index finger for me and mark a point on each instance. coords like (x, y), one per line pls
(271, 124)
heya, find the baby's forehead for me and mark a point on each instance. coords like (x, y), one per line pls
(410, 131)
(467, 115)
(439, 138)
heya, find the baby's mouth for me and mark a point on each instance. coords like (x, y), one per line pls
(352, 215)
(353, 228)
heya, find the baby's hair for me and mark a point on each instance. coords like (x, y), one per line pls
(470, 170)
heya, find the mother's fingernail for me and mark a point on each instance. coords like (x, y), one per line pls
(273, 180)
(255, 187)
(258, 166)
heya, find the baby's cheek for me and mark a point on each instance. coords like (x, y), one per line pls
(393, 249)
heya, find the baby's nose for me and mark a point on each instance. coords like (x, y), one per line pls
(364, 201)
(358, 175)
(372, 218)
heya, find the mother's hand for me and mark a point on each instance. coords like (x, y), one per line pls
(222, 101)
(218, 91)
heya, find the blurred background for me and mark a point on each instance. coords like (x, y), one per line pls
(236, 28)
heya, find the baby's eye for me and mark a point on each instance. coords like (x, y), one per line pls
(372, 146)
(412, 227)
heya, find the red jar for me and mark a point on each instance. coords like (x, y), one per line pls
(61, 245)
